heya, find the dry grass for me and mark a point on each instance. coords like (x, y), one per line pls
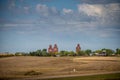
(44, 66)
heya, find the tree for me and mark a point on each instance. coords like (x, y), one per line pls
(81, 53)
(88, 51)
(98, 51)
(71, 53)
(66, 53)
(17, 54)
(38, 53)
(44, 52)
(21, 54)
(61, 53)
(117, 51)
(32, 53)
(109, 52)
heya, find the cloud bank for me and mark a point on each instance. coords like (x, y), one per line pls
(87, 17)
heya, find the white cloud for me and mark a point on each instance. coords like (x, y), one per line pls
(113, 6)
(90, 10)
(105, 14)
(67, 11)
(99, 10)
(43, 9)
(88, 20)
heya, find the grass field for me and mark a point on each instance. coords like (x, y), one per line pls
(29, 66)
(93, 77)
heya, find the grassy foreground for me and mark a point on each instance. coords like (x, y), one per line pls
(21, 67)
(115, 76)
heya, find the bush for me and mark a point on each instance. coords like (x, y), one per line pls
(32, 72)
(6, 55)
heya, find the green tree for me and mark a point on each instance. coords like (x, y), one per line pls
(44, 52)
(109, 52)
(81, 53)
(32, 53)
(117, 51)
(71, 53)
(66, 53)
(61, 53)
(98, 51)
(88, 51)
(38, 53)
(21, 54)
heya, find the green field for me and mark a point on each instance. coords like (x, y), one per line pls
(94, 77)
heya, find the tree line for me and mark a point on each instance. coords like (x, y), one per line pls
(88, 52)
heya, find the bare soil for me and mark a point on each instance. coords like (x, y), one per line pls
(29, 66)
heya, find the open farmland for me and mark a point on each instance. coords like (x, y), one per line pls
(28, 66)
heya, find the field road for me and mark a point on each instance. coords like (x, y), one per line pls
(62, 76)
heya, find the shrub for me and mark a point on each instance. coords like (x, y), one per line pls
(32, 72)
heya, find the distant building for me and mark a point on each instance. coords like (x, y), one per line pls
(103, 53)
(50, 50)
(78, 48)
(53, 50)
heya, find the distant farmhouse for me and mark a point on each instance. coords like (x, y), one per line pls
(103, 53)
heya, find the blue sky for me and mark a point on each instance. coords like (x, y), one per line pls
(28, 25)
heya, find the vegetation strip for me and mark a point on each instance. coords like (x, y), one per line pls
(109, 76)
(115, 76)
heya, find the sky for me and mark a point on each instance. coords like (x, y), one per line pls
(29, 25)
